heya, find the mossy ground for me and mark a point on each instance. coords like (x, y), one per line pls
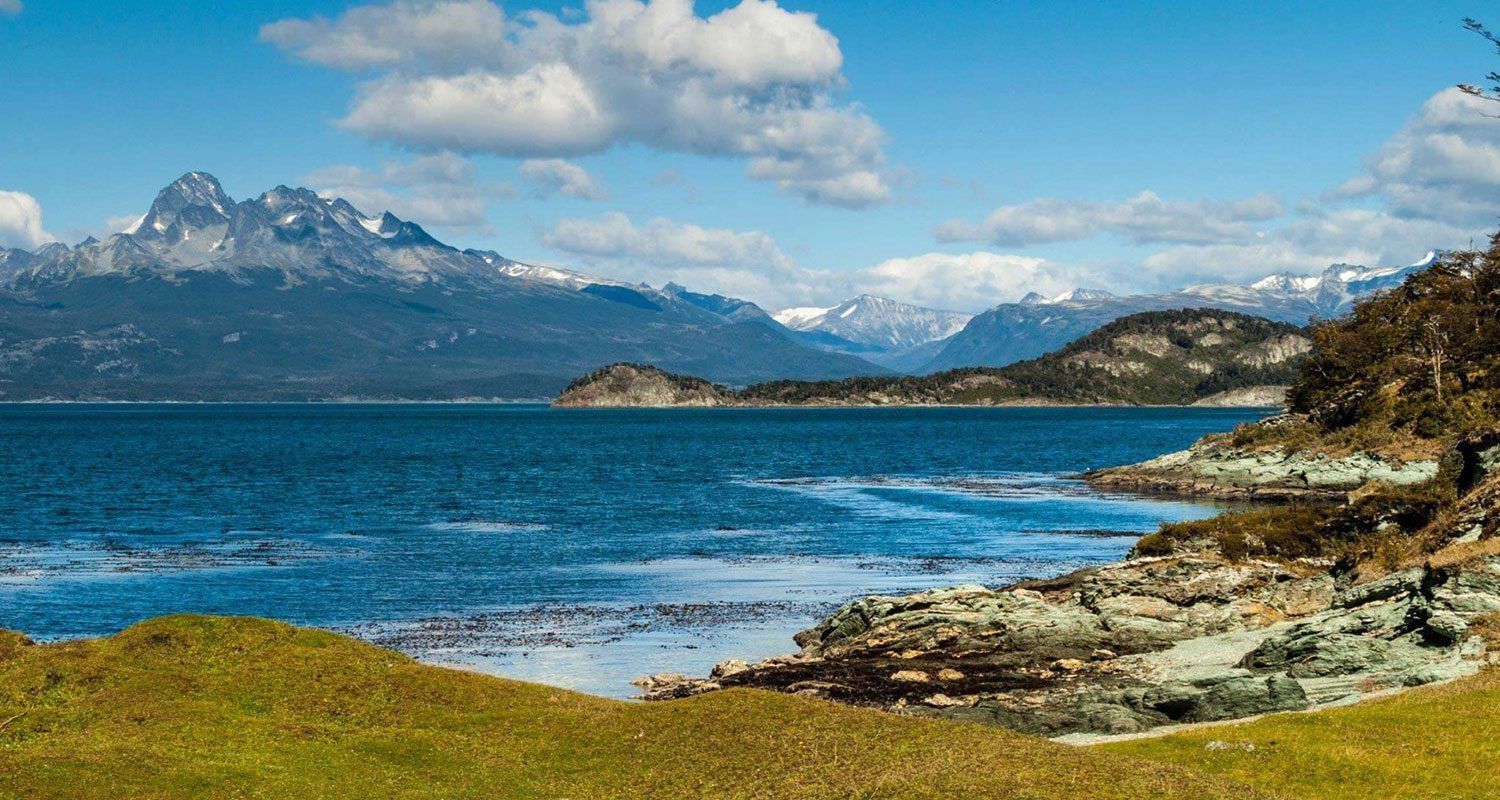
(210, 707)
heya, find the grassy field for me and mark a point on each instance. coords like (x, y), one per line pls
(210, 707)
(1440, 742)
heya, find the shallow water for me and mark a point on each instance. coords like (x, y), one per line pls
(579, 548)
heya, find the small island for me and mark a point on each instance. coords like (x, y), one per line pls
(1185, 357)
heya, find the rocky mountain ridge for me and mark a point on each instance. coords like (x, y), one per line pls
(293, 296)
(898, 335)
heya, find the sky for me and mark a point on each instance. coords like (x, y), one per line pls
(950, 154)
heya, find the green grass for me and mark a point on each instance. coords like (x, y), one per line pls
(231, 707)
(215, 707)
(1441, 742)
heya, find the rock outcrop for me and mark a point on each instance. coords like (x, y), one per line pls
(1133, 646)
(1248, 397)
(1214, 468)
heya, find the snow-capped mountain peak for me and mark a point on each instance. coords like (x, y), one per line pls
(1012, 332)
(800, 318)
(1286, 282)
(1082, 295)
(192, 225)
(877, 322)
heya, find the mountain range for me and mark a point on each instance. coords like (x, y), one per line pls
(1012, 332)
(1181, 357)
(898, 335)
(292, 296)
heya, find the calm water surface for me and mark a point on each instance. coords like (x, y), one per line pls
(579, 548)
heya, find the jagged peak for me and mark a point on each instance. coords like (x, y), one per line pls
(195, 189)
(282, 196)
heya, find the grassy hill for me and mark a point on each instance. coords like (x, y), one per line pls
(1153, 358)
(209, 707)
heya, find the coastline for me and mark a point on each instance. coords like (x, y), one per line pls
(550, 402)
(1180, 632)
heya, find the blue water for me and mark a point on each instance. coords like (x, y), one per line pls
(580, 548)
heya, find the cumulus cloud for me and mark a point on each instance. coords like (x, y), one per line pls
(1145, 218)
(754, 81)
(21, 221)
(661, 240)
(402, 34)
(966, 281)
(751, 265)
(1306, 244)
(436, 190)
(10, 8)
(550, 176)
(1443, 164)
(1434, 184)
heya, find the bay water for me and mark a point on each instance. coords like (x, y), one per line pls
(580, 548)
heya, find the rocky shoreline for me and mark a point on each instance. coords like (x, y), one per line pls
(1125, 648)
(1213, 468)
(1187, 637)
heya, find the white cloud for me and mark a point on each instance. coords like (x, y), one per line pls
(437, 190)
(1144, 218)
(11, 7)
(551, 176)
(21, 221)
(1434, 184)
(662, 240)
(751, 265)
(404, 33)
(1306, 244)
(964, 281)
(1443, 164)
(754, 81)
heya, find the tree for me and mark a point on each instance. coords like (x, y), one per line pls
(1492, 92)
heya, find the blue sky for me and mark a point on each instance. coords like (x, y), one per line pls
(955, 154)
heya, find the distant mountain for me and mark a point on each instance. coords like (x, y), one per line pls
(1199, 356)
(1012, 332)
(878, 329)
(294, 296)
